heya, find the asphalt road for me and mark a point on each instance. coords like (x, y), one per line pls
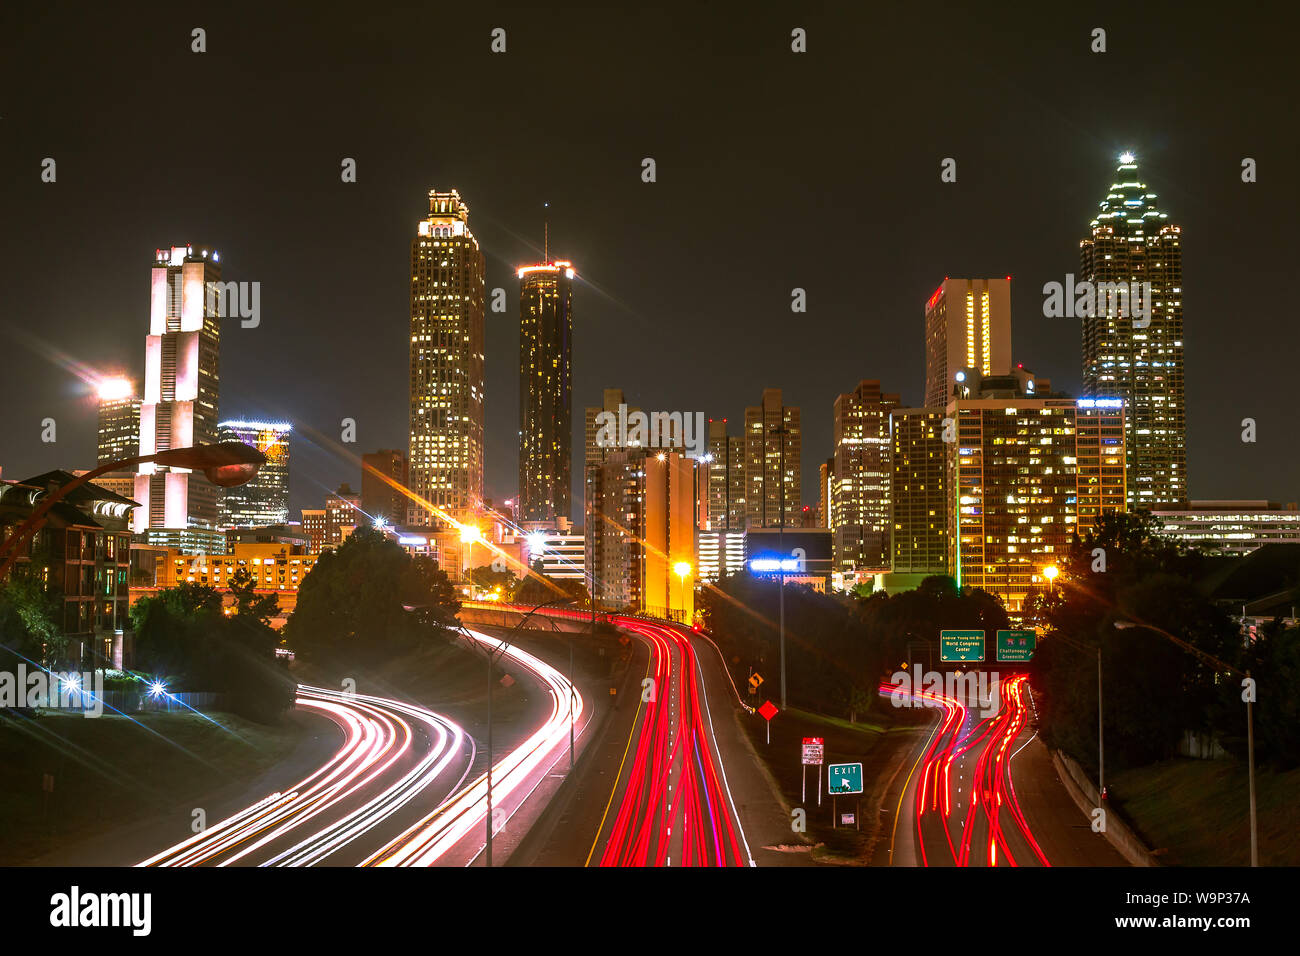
(981, 790)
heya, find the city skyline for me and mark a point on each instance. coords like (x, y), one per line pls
(350, 328)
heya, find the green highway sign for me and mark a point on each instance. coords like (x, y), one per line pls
(844, 778)
(956, 646)
(1016, 646)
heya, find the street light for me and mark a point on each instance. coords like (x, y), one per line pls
(492, 657)
(781, 431)
(226, 465)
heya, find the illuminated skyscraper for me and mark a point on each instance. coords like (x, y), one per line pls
(1029, 468)
(860, 479)
(446, 412)
(181, 380)
(967, 325)
(119, 433)
(264, 500)
(545, 391)
(772, 443)
(1139, 358)
(919, 506)
(726, 478)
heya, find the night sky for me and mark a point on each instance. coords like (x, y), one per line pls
(775, 171)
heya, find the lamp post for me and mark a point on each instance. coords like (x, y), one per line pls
(1214, 662)
(492, 656)
(226, 465)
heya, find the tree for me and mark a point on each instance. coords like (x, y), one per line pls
(538, 588)
(488, 578)
(29, 623)
(370, 600)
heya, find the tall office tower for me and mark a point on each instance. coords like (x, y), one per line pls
(862, 475)
(641, 535)
(1023, 461)
(380, 470)
(119, 434)
(967, 325)
(181, 378)
(264, 500)
(726, 481)
(772, 440)
(1139, 358)
(611, 399)
(447, 299)
(825, 477)
(545, 391)
(918, 504)
(342, 514)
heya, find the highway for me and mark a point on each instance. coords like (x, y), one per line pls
(962, 801)
(671, 804)
(393, 754)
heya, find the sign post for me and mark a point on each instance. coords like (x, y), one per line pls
(843, 778)
(961, 646)
(767, 712)
(814, 752)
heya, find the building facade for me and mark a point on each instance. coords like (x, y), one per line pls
(264, 500)
(967, 325)
(1014, 481)
(545, 391)
(81, 552)
(640, 532)
(118, 436)
(342, 514)
(445, 457)
(1139, 358)
(1231, 527)
(773, 443)
(180, 508)
(860, 479)
(383, 478)
(726, 478)
(919, 502)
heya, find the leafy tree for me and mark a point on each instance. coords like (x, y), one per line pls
(487, 578)
(368, 601)
(29, 623)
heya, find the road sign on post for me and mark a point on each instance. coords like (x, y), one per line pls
(767, 712)
(1016, 646)
(814, 752)
(960, 646)
(844, 778)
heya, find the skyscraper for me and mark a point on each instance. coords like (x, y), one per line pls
(545, 391)
(1139, 358)
(181, 379)
(264, 500)
(379, 471)
(1024, 461)
(967, 325)
(119, 434)
(446, 410)
(772, 443)
(918, 503)
(860, 479)
(726, 478)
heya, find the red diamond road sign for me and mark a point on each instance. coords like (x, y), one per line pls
(768, 710)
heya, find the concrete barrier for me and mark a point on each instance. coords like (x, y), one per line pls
(1084, 793)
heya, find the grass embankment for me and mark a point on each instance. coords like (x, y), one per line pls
(872, 741)
(1196, 812)
(111, 770)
